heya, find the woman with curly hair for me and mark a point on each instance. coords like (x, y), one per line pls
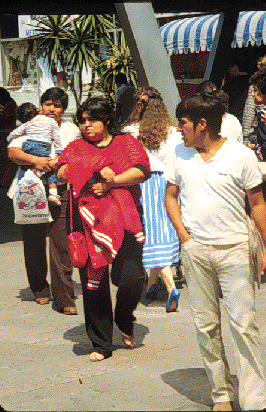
(150, 122)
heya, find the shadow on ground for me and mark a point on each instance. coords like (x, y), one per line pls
(27, 295)
(194, 385)
(83, 346)
(162, 294)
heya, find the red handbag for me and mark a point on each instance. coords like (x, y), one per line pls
(76, 242)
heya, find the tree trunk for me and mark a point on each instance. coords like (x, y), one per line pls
(80, 87)
(93, 77)
(75, 96)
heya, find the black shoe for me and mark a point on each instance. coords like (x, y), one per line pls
(152, 292)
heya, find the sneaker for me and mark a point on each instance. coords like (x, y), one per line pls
(54, 199)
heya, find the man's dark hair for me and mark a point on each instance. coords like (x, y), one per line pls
(202, 106)
(259, 79)
(121, 78)
(207, 86)
(26, 112)
(55, 93)
(100, 109)
(4, 96)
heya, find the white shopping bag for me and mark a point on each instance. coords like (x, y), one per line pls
(13, 187)
(30, 201)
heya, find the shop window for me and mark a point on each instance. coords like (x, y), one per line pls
(19, 64)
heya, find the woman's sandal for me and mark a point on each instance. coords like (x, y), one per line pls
(43, 301)
(129, 340)
(70, 310)
(96, 357)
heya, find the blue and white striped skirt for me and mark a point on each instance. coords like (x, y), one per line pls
(161, 247)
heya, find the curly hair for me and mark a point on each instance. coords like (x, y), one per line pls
(259, 79)
(152, 116)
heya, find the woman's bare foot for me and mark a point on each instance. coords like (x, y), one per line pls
(129, 341)
(96, 357)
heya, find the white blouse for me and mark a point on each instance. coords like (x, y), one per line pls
(158, 158)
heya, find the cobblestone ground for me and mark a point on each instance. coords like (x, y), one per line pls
(44, 354)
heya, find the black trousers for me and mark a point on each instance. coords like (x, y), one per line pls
(34, 241)
(128, 275)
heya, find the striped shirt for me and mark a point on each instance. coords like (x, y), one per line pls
(249, 120)
(40, 129)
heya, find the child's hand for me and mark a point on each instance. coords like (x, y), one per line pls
(52, 162)
(107, 173)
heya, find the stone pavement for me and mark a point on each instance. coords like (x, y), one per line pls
(44, 354)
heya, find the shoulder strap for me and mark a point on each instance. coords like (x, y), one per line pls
(71, 208)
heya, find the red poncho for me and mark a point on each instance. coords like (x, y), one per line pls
(105, 218)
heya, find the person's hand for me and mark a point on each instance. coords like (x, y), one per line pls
(251, 146)
(107, 173)
(263, 264)
(42, 164)
(185, 238)
(53, 162)
(234, 71)
(99, 189)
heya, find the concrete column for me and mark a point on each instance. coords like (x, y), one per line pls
(147, 50)
(211, 58)
(219, 57)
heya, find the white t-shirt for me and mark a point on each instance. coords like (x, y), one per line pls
(158, 158)
(231, 127)
(212, 193)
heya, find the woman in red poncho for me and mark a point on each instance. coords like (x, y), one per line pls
(108, 207)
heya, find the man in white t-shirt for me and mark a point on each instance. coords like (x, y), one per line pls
(54, 102)
(212, 176)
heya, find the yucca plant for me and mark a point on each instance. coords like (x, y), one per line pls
(120, 62)
(51, 42)
(73, 42)
(99, 27)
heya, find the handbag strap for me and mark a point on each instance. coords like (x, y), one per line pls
(71, 209)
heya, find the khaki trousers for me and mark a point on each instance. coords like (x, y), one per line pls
(207, 268)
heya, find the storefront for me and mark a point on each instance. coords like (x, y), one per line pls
(189, 40)
(25, 75)
(19, 64)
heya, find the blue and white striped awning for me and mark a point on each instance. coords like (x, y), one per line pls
(197, 33)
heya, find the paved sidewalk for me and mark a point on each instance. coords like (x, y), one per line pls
(44, 354)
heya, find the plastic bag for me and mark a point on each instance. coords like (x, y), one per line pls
(256, 248)
(30, 201)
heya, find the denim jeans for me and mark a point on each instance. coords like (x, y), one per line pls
(41, 149)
